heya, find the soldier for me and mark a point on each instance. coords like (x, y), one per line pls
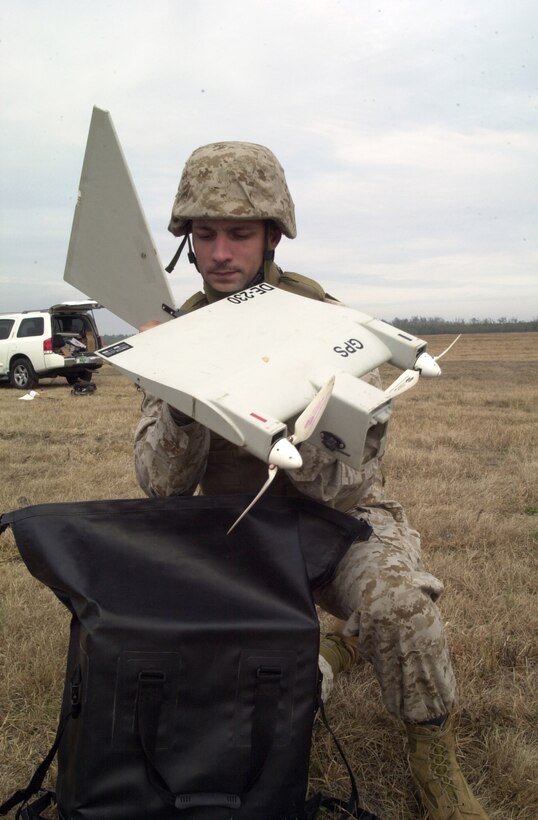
(234, 201)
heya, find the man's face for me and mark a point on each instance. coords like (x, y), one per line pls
(230, 252)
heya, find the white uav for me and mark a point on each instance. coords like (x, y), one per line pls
(246, 365)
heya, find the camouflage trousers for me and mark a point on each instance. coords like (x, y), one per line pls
(388, 602)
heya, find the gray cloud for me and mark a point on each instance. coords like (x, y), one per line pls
(408, 131)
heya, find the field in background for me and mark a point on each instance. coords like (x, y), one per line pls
(462, 458)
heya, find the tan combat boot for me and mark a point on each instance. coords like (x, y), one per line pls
(443, 790)
(336, 654)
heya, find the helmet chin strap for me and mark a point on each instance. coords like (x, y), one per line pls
(191, 255)
(269, 253)
(265, 267)
(268, 259)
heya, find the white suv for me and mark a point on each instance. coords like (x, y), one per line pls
(60, 341)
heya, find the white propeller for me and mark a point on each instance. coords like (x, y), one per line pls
(425, 365)
(404, 382)
(307, 421)
(284, 453)
(448, 348)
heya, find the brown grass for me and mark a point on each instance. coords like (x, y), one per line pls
(463, 458)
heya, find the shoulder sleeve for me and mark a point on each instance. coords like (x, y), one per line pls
(301, 285)
(197, 300)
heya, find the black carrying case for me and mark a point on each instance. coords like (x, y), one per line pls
(193, 659)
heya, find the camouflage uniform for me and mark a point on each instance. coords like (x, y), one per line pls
(381, 589)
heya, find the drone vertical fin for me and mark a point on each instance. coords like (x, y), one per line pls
(112, 257)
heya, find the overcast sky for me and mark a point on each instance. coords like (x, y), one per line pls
(408, 130)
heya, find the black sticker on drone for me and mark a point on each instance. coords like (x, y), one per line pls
(114, 349)
(333, 442)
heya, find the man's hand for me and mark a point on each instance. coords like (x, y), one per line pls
(149, 325)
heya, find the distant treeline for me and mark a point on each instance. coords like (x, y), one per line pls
(424, 325)
(429, 325)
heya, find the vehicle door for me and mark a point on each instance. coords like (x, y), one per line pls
(28, 341)
(6, 328)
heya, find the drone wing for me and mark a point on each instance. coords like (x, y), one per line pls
(112, 257)
(247, 365)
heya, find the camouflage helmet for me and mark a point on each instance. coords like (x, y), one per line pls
(233, 180)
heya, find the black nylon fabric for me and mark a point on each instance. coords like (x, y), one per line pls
(156, 586)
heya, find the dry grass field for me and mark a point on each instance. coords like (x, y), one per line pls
(463, 458)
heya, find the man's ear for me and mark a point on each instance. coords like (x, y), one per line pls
(275, 235)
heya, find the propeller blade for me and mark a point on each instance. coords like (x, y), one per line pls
(404, 382)
(307, 421)
(448, 348)
(287, 454)
(273, 470)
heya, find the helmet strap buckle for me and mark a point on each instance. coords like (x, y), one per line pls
(190, 255)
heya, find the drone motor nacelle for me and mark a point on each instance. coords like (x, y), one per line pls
(353, 426)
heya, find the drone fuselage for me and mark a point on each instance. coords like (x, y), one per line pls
(247, 366)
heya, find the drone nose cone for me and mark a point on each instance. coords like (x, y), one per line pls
(283, 454)
(427, 365)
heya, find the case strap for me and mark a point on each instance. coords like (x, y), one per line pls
(34, 786)
(266, 697)
(350, 807)
(5, 520)
(33, 810)
(150, 697)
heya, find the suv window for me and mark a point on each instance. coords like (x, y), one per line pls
(70, 324)
(5, 327)
(31, 327)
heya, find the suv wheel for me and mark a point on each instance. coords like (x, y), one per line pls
(82, 375)
(22, 375)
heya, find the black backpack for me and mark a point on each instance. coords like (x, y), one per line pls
(192, 673)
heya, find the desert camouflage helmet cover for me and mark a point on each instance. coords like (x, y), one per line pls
(233, 180)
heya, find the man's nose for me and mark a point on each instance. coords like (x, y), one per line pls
(222, 250)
